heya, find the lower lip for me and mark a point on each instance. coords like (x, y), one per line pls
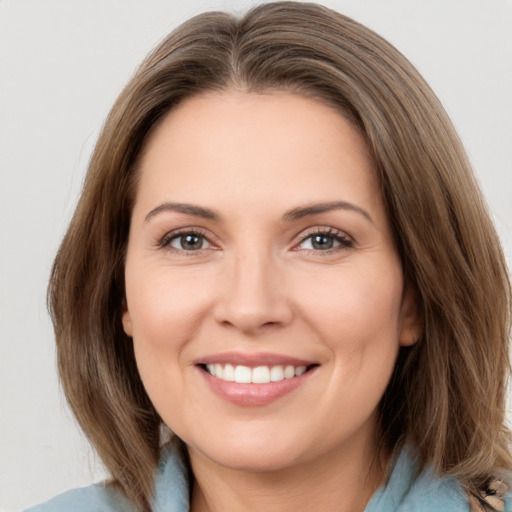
(254, 394)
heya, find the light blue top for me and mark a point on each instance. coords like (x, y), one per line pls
(404, 491)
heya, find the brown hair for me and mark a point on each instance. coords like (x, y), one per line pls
(446, 397)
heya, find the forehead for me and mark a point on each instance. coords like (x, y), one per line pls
(263, 149)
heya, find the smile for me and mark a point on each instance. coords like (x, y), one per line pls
(254, 379)
(258, 375)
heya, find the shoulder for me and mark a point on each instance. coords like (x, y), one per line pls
(407, 490)
(94, 498)
(171, 491)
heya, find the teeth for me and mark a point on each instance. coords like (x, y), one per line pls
(276, 373)
(259, 375)
(243, 375)
(299, 370)
(228, 373)
(289, 372)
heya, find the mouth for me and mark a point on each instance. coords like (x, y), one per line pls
(254, 379)
(264, 374)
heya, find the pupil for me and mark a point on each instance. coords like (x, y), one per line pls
(322, 242)
(191, 242)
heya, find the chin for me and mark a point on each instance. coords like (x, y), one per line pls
(255, 461)
(251, 455)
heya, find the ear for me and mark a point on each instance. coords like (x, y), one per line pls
(127, 320)
(411, 323)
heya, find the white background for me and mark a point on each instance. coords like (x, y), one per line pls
(62, 63)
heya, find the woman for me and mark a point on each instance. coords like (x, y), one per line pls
(281, 256)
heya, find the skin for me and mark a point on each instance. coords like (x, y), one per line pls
(258, 284)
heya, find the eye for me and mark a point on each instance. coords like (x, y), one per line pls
(186, 241)
(325, 240)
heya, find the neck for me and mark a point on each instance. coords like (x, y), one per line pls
(342, 481)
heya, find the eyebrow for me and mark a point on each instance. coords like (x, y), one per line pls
(187, 209)
(290, 216)
(315, 209)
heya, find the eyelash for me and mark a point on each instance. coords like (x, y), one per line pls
(165, 242)
(343, 240)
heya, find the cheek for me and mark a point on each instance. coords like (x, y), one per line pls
(165, 307)
(357, 319)
(355, 314)
(354, 308)
(166, 312)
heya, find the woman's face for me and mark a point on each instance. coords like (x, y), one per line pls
(260, 252)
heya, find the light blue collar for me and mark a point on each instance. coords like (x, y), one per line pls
(407, 491)
(171, 484)
(404, 491)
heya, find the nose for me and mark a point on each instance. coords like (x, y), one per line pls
(253, 296)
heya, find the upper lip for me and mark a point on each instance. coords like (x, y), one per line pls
(253, 360)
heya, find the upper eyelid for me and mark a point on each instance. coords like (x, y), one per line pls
(302, 236)
(344, 239)
(170, 235)
(324, 231)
